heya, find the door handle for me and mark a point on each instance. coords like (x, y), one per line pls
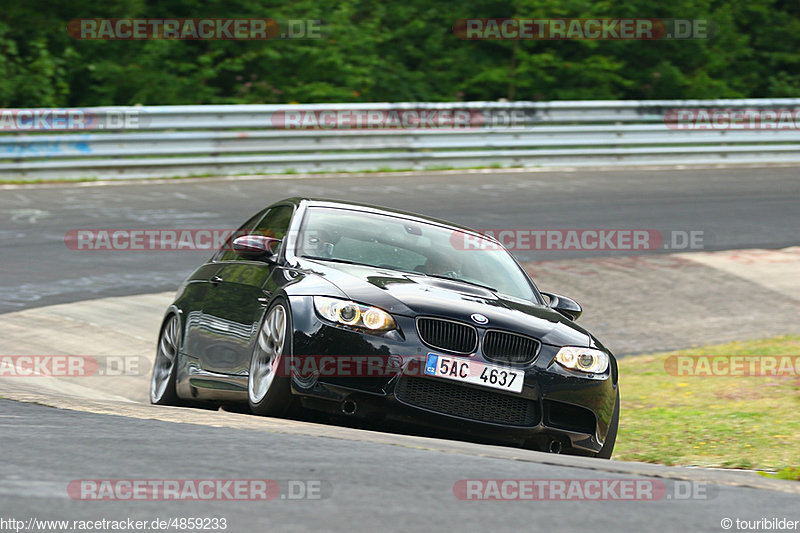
(215, 280)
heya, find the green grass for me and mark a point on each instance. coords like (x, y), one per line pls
(45, 181)
(731, 422)
(287, 172)
(789, 473)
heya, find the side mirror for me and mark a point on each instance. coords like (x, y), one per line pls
(566, 306)
(255, 246)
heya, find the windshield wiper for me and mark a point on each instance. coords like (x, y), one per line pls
(474, 284)
(334, 260)
(348, 262)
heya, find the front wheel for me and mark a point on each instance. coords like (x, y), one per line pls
(162, 382)
(611, 436)
(268, 389)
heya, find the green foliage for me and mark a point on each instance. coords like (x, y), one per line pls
(399, 51)
(788, 473)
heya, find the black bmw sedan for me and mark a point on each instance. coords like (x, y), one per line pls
(387, 316)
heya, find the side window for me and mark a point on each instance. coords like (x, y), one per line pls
(226, 253)
(276, 222)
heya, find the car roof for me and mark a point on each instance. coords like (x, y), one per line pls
(371, 208)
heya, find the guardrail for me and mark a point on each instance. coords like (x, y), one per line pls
(122, 142)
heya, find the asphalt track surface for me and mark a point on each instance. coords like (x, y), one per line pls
(736, 208)
(373, 480)
(364, 486)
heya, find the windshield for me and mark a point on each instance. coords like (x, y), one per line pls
(420, 248)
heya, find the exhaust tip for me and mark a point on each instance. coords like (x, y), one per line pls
(555, 446)
(349, 407)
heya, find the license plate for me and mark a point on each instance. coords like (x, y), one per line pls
(474, 372)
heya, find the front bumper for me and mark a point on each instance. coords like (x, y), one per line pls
(555, 404)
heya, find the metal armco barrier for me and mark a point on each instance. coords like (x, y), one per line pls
(164, 141)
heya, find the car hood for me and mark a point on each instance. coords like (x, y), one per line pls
(412, 294)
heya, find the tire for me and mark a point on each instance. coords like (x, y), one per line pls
(268, 391)
(165, 367)
(611, 436)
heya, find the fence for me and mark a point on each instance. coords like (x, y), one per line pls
(161, 141)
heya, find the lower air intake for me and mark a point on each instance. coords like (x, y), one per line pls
(467, 402)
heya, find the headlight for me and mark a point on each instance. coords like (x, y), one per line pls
(583, 359)
(353, 314)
